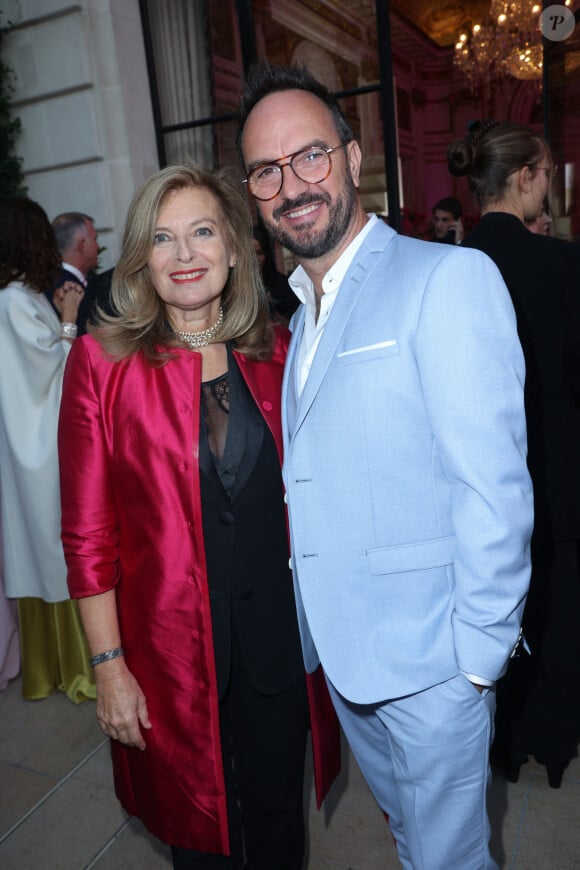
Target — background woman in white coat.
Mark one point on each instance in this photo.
(35, 345)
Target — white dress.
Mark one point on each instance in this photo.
(32, 361)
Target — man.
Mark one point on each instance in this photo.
(77, 242)
(447, 225)
(409, 498)
(542, 223)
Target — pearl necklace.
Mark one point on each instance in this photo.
(195, 340)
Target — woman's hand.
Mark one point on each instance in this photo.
(121, 705)
(67, 299)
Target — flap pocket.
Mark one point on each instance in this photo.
(412, 557)
(369, 352)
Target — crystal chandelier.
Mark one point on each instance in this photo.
(507, 43)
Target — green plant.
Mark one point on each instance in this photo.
(11, 174)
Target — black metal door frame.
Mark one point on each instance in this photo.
(249, 55)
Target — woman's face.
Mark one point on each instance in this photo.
(190, 260)
(539, 187)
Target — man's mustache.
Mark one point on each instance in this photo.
(300, 201)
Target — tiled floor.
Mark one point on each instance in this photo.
(58, 810)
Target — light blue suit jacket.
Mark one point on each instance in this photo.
(405, 470)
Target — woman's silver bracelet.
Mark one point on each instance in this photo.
(106, 656)
(68, 330)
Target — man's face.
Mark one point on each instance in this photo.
(90, 247)
(311, 220)
(441, 221)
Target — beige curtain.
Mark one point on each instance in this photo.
(182, 63)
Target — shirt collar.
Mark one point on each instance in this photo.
(76, 272)
(303, 286)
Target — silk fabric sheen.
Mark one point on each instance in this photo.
(137, 489)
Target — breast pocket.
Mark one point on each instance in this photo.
(366, 353)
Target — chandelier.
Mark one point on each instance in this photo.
(507, 43)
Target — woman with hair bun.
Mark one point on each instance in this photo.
(509, 168)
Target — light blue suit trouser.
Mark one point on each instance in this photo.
(425, 757)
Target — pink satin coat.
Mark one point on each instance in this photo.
(131, 520)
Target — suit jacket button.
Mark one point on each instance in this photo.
(227, 518)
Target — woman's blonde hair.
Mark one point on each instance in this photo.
(140, 319)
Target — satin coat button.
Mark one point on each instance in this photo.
(227, 518)
(267, 406)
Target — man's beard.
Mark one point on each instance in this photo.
(310, 245)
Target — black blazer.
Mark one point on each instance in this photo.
(63, 275)
(97, 293)
(246, 548)
(543, 277)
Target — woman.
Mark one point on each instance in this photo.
(509, 168)
(175, 533)
(54, 650)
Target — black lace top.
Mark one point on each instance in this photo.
(232, 427)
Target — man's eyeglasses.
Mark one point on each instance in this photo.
(311, 165)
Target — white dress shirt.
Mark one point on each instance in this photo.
(304, 290)
(76, 272)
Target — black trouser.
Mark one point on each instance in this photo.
(263, 745)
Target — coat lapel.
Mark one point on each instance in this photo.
(348, 294)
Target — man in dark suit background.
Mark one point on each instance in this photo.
(77, 242)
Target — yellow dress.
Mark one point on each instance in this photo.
(55, 655)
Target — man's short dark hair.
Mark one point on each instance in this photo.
(265, 78)
(450, 204)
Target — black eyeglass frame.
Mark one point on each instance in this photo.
(289, 158)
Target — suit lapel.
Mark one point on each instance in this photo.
(289, 391)
(348, 294)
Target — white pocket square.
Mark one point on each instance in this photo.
(390, 343)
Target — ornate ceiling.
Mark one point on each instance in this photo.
(440, 20)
